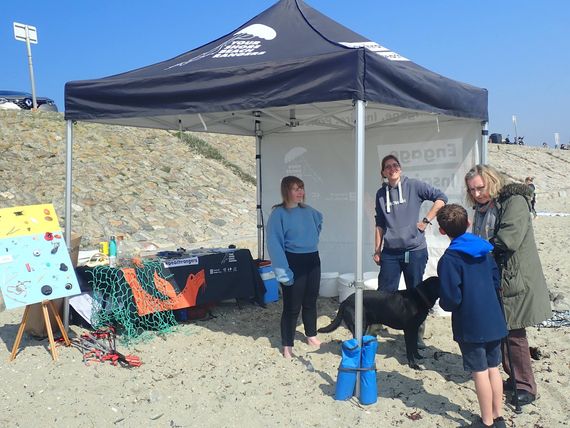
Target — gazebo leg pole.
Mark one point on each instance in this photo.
(258, 138)
(68, 192)
(360, 144)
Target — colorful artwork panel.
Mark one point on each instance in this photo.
(34, 268)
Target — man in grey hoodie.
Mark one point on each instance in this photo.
(399, 242)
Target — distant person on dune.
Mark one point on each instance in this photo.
(529, 182)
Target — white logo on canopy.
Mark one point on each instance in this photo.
(376, 48)
(246, 42)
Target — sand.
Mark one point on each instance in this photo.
(228, 372)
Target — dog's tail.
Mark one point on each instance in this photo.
(336, 322)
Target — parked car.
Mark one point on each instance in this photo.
(496, 138)
(13, 100)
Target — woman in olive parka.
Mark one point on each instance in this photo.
(503, 216)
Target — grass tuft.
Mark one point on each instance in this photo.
(210, 152)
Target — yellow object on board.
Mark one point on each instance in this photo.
(27, 220)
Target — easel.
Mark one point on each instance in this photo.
(45, 305)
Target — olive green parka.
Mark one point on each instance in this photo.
(525, 294)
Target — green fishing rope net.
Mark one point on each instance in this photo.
(114, 303)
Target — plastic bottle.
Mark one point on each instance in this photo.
(121, 261)
(112, 251)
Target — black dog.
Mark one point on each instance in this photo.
(404, 310)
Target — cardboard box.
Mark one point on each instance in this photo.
(36, 326)
(74, 250)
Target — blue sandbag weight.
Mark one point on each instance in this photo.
(368, 386)
(350, 362)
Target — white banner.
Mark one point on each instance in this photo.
(326, 163)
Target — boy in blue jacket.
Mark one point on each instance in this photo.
(469, 281)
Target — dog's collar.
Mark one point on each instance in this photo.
(423, 297)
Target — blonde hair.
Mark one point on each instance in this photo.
(493, 179)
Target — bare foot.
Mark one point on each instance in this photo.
(312, 340)
(288, 352)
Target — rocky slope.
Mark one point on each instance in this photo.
(161, 191)
(158, 190)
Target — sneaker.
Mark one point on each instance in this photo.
(524, 397)
(479, 424)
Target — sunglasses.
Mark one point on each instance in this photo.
(392, 166)
(479, 189)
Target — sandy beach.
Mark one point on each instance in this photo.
(228, 371)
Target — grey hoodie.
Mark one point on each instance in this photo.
(398, 210)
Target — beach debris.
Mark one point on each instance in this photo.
(559, 302)
(100, 346)
(536, 353)
(414, 416)
(440, 354)
(558, 319)
(153, 396)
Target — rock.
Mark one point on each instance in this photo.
(560, 303)
(7, 195)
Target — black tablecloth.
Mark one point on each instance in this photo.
(229, 275)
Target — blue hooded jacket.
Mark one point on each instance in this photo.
(469, 280)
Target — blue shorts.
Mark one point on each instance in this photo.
(478, 357)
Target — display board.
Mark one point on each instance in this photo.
(34, 261)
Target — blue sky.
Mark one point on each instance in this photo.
(518, 49)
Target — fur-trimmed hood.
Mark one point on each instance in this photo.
(515, 189)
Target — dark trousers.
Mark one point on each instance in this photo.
(392, 264)
(520, 356)
(301, 296)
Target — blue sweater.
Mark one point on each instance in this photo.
(293, 230)
(400, 224)
(469, 281)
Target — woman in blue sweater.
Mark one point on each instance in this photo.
(293, 232)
